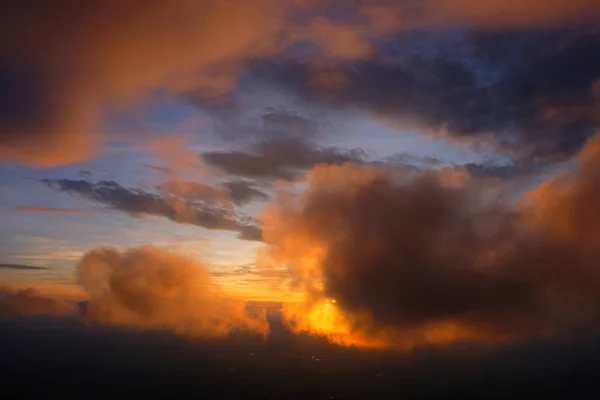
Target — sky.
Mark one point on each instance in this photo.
(397, 171)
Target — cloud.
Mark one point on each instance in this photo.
(155, 289)
(195, 191)
(382, 15)
(155, 168)
(498, 14)
(21, 266)
(29, 302)
(50, 210)
(57, 78)
(186, 203)
(399, 260)
(508, 91)
(279, 159)
(243, 192)
(272, 124)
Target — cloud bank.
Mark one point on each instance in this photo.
(145, 288)
(152, 288)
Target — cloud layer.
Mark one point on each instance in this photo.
(58, 80)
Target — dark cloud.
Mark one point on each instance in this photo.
(411, 163)
(29, 302)
(507, 171)
(195, 191)
(21, 266)
(182, 205)
(238, 192)
(430, 257)
(412, 159)
(251, 231)
(243, 192)
(280, 159)
(528, 94)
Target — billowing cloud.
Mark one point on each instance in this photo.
(283, 159)
(29, 302)
(155, 289)
(50, 210)
(387, 259)
(182, 202)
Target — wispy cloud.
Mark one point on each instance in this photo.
(21, 267)
(195, 205)
(51, 210)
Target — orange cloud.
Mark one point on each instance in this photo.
(389, 260)
(155, 289)
(60, 76)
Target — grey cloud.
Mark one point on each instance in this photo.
(21, 267)
(529, 94)
(195, 211)
(280, 159)
(243, 192)
(271, 125)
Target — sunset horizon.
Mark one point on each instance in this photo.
(300, 198)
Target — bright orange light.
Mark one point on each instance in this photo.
(325, 319)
